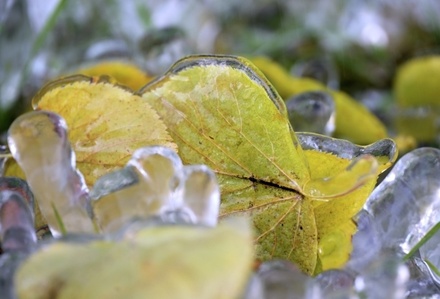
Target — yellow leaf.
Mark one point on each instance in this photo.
(334, 217)
(417, 94)
(106, 122)
(416, 82)
(157, 262)
(353, 120)
(222, 112)
(123, 72)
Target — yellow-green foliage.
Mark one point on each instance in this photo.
(353, 120)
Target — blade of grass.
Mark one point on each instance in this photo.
(432, 267)
(425, 239)
(41, 37)
(59, 220)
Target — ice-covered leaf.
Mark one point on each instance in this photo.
(106, 122)
(222, 112)
(344, 166)
(353, 121)
(154, 262)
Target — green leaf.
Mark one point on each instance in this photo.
(416, 93)
(106, 124)
(180, 262)
(349, 112)
(222, 112)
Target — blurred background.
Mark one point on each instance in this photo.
(352, 45)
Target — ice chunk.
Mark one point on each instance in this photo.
(155, 183)
(254, 288)
(17, 231)
(282, 279)
(201, 194)
(430, 253)
(312, 111)
(140, 189)
(386, 277)
(367, 243)
(4, 153)
(9, 262)
(406, 205)
(333, 284)
(38, 142)
(423, 282)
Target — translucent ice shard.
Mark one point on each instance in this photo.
(4, 152)
(406, 205)
(423, 282)
(366, 163)
(384, 150)
(201, 194)
(155, 183)
(430, 255)
(353, 176)
(312, 111)
(17, 231)
(38, 142)
(366, 242)
(141, 188)
(332, 284)
(5, 8)
(282, 279)
(385, 277)
(254, 288)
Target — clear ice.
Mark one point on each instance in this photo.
(406, 205)
(312, 111)
(155, 183)
(367, 243)
(397, 215)
(423, 283)
(38, 142)
(366, 162)
(385, 277)
(17, 233)
(17, 230)
(4, 152)
(333, 284)
(282, 279)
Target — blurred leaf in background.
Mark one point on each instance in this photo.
(365, 41)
